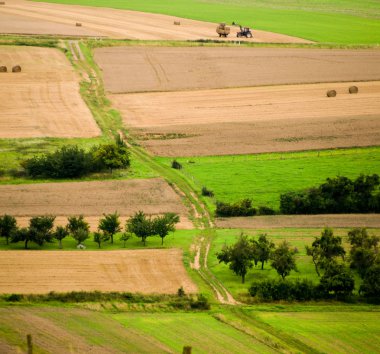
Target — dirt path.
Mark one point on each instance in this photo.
(19, 16)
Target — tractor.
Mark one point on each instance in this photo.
(244, 32)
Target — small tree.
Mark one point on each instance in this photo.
(140, 225)
(22, 235)
(112, 156)
(364, 250)
(239, 256)
(337, 279)
(125, 236)
(8, 225)
(41, 229)
(325, 249)
(262, 249)
(59, 234)
(371, 283)
(100, 237)
(110, 224)
(80, 235)
(76, 223)
(162, 225)
(283, 259)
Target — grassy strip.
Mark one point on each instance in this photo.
(335, 21)
(263, 177)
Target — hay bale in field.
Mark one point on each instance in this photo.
(353, 89)
(16, 69)
(78, 24)
(3, 69)
(177, 23)
(331, 93)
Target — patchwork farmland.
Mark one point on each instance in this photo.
(166, 120)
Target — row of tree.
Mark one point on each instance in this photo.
(72, 161)
(41, 228)
(332, 265)
(336, 195)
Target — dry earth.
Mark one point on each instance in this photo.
(142, 271)
(43, 100)
(91, 199)
(143, 69)
(253, 120)
(26, 17)
(300, 221)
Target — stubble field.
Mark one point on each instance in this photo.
(42, 100)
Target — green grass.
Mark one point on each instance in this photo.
(296, 237)
(264, 177)
(329, 332)
(333, 21)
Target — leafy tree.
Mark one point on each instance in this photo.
(110, 224)
(364, 250)
(162, 225)
(283, 259)
(112, 156)
(239, 256)
(325, 249)
(125, 236)
(76, 223)
(41, 229)
(262, 249)
(22, 235)
(371, 282)
(337, 279)
(59, 234)
(140, 225)
(80, 235)
(100, 237)
(8, 225)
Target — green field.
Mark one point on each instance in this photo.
(264, 177)
(327, 21)
(298, 238)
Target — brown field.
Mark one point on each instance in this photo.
(91, 199)
(253, 120)
(43, 100)
(141, 271)
(300, 221)
(143, 69)
(19, 16)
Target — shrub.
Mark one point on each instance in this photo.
(201, 303)
(207, 192)
(264, 210)
(242, 208)
(14, 298)
(176, 165)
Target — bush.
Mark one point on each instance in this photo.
(371, 283)
(176, 165)
(201, 303)
(263, 210)
(338, 280)
(207, 192)
(14, 298)
(275, 290)
(242, 208)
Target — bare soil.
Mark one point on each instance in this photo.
(300, 221)
(141, 271)
(253, 120)
(145, 69)
(91, 199)
(19, 16)
(42, 100)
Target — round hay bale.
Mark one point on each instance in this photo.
(16, 69)
(177, 23)
(331, 93)
(3, 69)
(353, 89)
(78, 24)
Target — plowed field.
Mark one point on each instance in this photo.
(143, 271)
(253, 120)
(19, 16)
(43, 100)
(143, 69)
(91, 199)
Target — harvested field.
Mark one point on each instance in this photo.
(43, 100)
(142, 69)
(300, 221)
(143, 271)
(21, 16)
(91, 199)
(253, 120)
